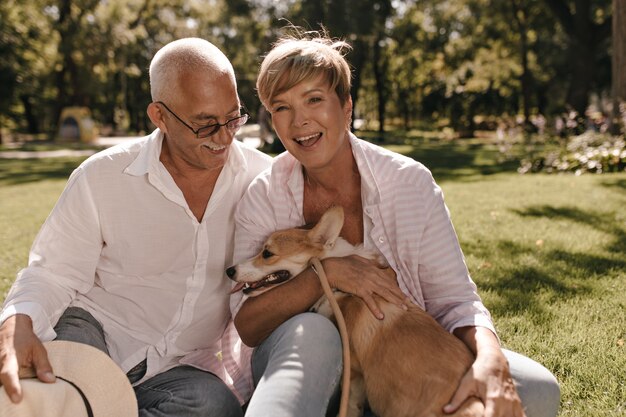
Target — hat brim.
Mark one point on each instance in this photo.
(43, 399)
(101, 381)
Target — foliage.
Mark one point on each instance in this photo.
(27, 49)
(448, 60)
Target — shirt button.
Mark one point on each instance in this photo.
(381, 239)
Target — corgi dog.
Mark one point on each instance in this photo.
(405, 365)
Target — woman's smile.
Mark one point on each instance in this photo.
(309, 140)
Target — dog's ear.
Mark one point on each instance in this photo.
(327, 230)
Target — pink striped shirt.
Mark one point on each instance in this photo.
(405, 219)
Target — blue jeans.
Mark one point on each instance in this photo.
(536, 386)
(181, 391)
(297, 369)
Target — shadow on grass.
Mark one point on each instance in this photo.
(532, 271)
(22, 171)
(605, 222)
(458, 159)
(618, 183)
(528, 273)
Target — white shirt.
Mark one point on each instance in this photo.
(405, 219)
(123, 244)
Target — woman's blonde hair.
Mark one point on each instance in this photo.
(301, 56)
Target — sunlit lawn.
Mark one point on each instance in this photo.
(548, 253)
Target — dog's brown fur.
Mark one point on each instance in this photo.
(410, 365)
(406, 365)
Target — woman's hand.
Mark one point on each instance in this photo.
(489, 379)
(365, 278)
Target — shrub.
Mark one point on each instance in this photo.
(589, 152)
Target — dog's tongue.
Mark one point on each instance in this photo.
(238, 287)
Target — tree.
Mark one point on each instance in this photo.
(520, 17)
(364, 27)
(587, 24)
(619, 64)
(25, 65)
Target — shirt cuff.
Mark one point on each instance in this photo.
(477, 321)
(41, 324)
(236, 302)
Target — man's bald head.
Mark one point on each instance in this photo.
(174, 60)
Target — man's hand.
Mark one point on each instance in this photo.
(20, 348)
(364, 278)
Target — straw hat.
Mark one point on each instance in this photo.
(88, 384)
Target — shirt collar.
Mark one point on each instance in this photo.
(370, 191)
(148, 155)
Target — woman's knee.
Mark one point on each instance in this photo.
(537, 386)
(308, 338)
(315, 330)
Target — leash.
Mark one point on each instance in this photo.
(343, 332)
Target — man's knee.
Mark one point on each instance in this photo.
(214, 399)
(78, 325)
(189, 392)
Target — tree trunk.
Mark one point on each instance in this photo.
(31, 120)
(618, 65)
(520, 17)
(585, 36)
(357, 59)
(379, 65)
(582, 59)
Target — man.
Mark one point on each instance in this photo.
(131, 260)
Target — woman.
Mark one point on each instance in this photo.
(392, 205)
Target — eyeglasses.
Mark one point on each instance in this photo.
(209, 130)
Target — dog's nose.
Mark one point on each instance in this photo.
(231, 271)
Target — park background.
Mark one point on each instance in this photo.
(517, 106)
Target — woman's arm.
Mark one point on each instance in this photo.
(259, 316)
(489, 378)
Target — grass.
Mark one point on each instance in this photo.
(28, 190)
(548, 256)
(548, 253)
(47, 145)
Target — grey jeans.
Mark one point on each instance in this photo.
(181, 391)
